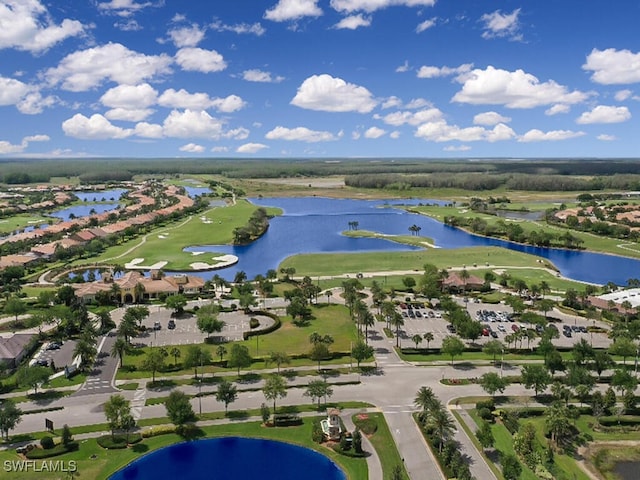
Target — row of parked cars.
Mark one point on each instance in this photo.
(491, 316)
(569, 330)
(414, 311)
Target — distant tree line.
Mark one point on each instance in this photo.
(608, 173)
(475, 181)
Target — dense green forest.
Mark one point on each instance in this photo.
(483, 174)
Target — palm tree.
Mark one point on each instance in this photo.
(369, 321)
(221, 351)
(397, 321)
(138, 292)
(428, 337)
(119, 348)
(329, 294)
(442, 424)
(425, 400)
(175, 353)
(417, 339)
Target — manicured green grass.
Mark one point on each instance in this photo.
(184, 233)
(494, 468)
(294, 340)
(340, 263)
(418, 241)
(21, 221)
(93, 462)
(591, 241)
(385, 447)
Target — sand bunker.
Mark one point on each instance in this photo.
(136, 264)
(222, 261)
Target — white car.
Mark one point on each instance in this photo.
(501, 328)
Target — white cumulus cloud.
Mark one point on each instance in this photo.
(85, 69)
(412, 118)
(125, 8)
(96, 127)
(239, 28)
(457, 148)
(302, 134)
(192, 148)
(353, 21)
(498, 24)
(7, 148)
(182, 99)
(557, 109)
(200, 60)
(613, 67)
(286, 10)
(536, 135)
(130, 96)
(188, 36)
(26, 25)
(374, 132)
(426, 25)
(606, 138)
(441, 131)
(622, 95)
(332, 94)
(257, 75)
(494, 86)
(605, 114)
(490, 119)
(128, 114)
(192, 124)
(251, 148)
(373, 5)
(427, 71)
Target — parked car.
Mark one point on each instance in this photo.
(515, 327)
(54, 346)
(171, 325)
(494, 334)
(502, 328)
(583, 329)
(156, 325)
(451, 328)
(42, 362)
(567, 333)
(418, 314)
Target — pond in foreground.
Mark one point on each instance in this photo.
(232, 458)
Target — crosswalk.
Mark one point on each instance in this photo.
(96, 385)
(139, 399)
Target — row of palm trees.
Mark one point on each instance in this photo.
(434, 416)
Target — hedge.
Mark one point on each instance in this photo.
(272, 328)
(38, 453)
(118, 441)
(626, 420)
(160, 430)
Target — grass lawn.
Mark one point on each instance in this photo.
(330, 319)
(386, 448)
(591, 241)
(339, 263)
(418, 241)
(166, 243)
(93, 462)
(17, 222)
(566, 468)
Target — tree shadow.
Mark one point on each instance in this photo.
(249, 378)
(237, 415)
(140, 448)
(371, 371)
(464, 366)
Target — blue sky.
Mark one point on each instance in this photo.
(319, 78)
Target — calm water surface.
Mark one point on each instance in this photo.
(232, 458)
(314, 225)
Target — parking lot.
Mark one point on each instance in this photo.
(60, 356)
(499, 323)
(186, 331)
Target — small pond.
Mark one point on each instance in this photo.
(232, 458)
(100, 195)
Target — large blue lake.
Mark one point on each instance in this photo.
(232, 458)
(314, 225)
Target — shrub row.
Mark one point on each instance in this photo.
(626, 420)
(118, 441)
(38, 453)
(272, 328)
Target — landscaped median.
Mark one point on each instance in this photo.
(91, 461)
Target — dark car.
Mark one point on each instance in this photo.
(567, 333)
(42, 363)
(494, 334)
(583, 329)
(54, 346)
(451, 328)
(171, 325)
